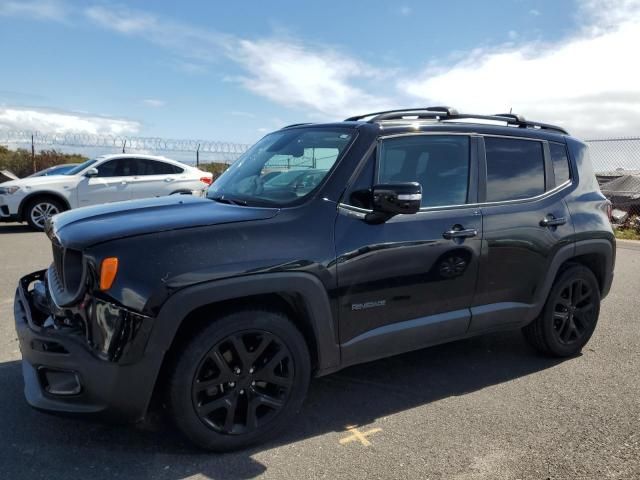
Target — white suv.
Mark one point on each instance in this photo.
(109, 178)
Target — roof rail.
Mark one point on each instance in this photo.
(296, 125)
(449, 113)
(510, 119)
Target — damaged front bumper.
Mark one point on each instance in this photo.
(89, 359)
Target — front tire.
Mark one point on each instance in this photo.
(239, 380)
(569, 316)
(40, 209)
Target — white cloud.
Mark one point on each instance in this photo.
(60, 121)
(284, 71)
(35, 9)
(588, 83)
(154, 102)
(405, 10)
(184, 40)
(603, 15)
(311, 78)
(122, 20)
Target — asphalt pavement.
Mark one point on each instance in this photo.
(484, 408)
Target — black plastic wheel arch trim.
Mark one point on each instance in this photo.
(309, 287)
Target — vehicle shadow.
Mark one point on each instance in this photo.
(71, 448)
(15, 228)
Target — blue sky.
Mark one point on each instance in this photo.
(235, 70)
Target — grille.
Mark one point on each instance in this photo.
(58, 262)
(66, 275)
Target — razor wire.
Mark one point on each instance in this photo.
(609, 155)
(121, 142)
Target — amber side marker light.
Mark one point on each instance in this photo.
(108, 271)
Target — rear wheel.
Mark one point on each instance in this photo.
(570, 315)
(40, 209)
(239, 380)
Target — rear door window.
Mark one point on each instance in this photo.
(154, 167)
(515, 168)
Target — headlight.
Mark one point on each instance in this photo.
(8, 190)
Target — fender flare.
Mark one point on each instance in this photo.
(44, 193)
(598, 246)
(311, 290)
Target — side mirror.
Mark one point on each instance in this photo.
(393, 199)
(92, 172)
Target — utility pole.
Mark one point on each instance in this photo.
(198, 156)
(124, 144)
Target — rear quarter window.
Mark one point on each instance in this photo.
(515, 168)
(560, 162)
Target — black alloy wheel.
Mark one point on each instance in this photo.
(238, 380)
(573, 313)
(569, 316)
(242, 382)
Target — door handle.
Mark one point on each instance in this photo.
(552, 221)
(123, 182)
(460, 233)
(169, 179)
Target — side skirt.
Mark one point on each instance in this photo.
(402, 337)
(405, 336)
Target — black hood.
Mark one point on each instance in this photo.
(83, 227)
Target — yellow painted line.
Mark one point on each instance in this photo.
(357, 435)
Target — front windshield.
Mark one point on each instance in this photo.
(281, 168)
(77, 169)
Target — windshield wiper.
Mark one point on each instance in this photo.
(229, 201)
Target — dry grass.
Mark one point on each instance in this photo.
(627, 234)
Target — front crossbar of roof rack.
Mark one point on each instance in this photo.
(515, 116)
(449, 113)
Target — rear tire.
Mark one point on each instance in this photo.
(569, 316)
(239, 380)
(39, 209)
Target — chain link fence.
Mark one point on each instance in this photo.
(617, 165)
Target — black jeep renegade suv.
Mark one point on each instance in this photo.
(323, 246)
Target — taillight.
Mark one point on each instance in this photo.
(206, 180)
(108, 271)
